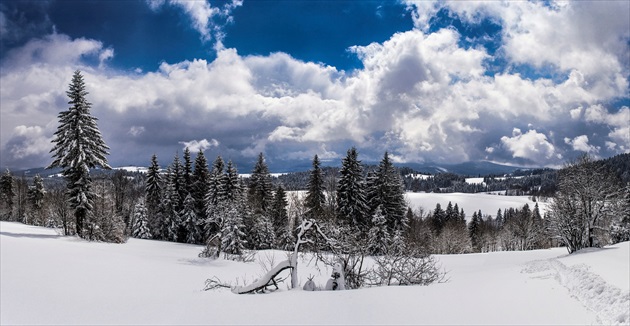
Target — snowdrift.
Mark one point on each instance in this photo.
(50, 279)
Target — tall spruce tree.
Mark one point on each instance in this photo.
(279, 215)
(260, 191)
(153, 194)
(387, 190)
(201, 179)
(140, 226)
(7, 193)
(351, 200)
(78, 148)
(187, 173)
(232, 189)
(315, 198)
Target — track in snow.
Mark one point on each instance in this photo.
(610, 304)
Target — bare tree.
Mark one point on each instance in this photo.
(584, 205)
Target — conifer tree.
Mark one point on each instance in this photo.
(351, 200)
(176, 180)
(215, 184)
(315, 198)
(7, 193)
(232, 188)
(260, 191)
(279, 215)
(386, 190)
(78, 148)
(378, 236)
(474, 231)
(187, 173)
(232, 231)
(201, 179)
(188, 217)
(141, 228)
(153, 193)
(35, 197)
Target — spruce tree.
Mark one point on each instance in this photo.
(260, 192)
(140, 228)
(385, 189)
(201, 179)
(378, 238)
(187, 173)
(153, 194)
(232, 188)
(35, 197)
(279, 215)
(315, 198)
(188, 217)
(232, 231)
(78, 148)
(7, 193)
(351, 201)
(216, 183)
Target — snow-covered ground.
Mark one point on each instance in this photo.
(50, 279)
(488, 203)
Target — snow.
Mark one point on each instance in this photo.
(489, 204)
(474, 181)
(50, 279)
(141, 169)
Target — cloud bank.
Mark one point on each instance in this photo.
(423, 94)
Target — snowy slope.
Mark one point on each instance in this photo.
(49, 279)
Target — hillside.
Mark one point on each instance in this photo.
(51, 279)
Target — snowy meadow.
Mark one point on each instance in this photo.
(51, 279)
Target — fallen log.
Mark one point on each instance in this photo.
(264, 282)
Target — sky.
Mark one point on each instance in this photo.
(522, 83)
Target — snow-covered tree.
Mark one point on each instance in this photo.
(141, 228)
(201, 178)
(187, 173)
(279, 215)
(379, 238)
(188, 217)
(216, 183)
(385, 189)
(78, 147)
(7, 194)
(153, 193)
(315, 198)
(35, 196)
(232, 188)
(351, 201)
(233, 236)
(260, 190)
(585, 204)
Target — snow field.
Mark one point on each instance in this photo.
(487, 203)
(50, 279)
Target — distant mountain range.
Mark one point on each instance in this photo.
(480, 168)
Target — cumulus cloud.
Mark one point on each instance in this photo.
(207, 19)
(531, 145)
(200, 145)
(580, 143)
(27, 143)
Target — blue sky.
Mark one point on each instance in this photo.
(524, 83)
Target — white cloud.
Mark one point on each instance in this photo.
(29, 141)
(105, 55)
(136, 130)
(531, 145)
(580, 143)
(420, 96)
(200, 145)
(203, 15)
